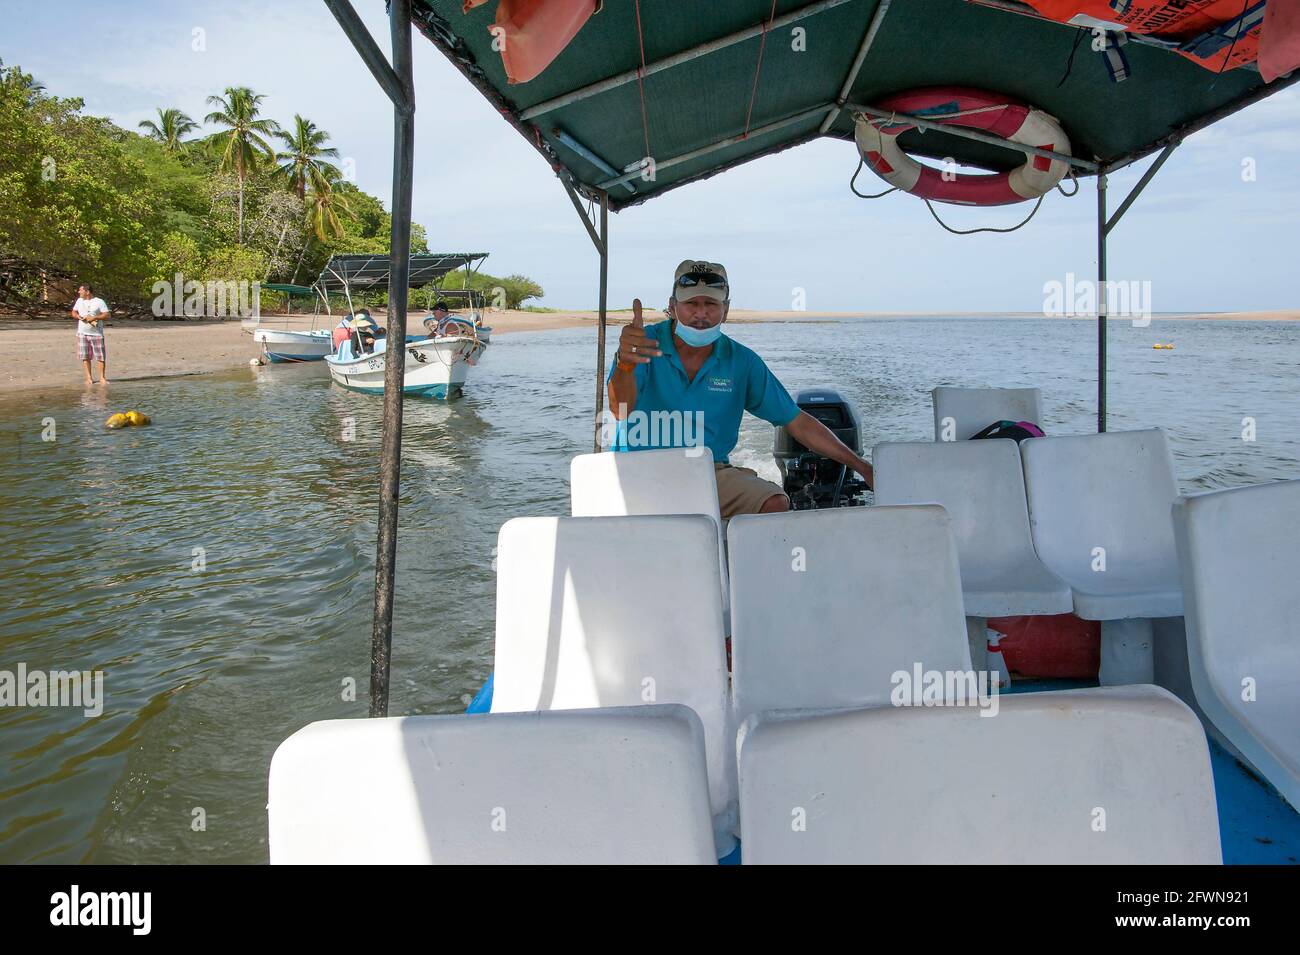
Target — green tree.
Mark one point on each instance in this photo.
(244, 138)
(305, 159)
(324, 204)
(509, 292)
(172, 124)
(72, 202)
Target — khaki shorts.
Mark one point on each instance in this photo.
(741, 490)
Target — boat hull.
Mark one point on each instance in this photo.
(435, 368)
(288, 346)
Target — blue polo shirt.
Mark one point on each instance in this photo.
(672, 412)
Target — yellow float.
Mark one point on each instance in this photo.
(127, 419)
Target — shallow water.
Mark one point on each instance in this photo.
(210, 665)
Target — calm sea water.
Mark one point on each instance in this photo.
(208, 670)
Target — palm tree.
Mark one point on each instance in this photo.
(28, 86)
(323, 207)
(245, 143)
(304, 159)
(171, 126)
(324, 204)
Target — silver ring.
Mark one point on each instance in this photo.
(633, 349)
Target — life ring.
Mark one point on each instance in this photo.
(1002, 116)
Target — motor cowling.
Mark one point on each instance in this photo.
(813, 480)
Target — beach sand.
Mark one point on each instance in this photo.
(40, 355)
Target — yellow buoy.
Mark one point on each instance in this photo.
(117, 421)
(136, 418)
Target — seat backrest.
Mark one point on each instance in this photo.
(1111, 491)
(1238, 551)
(1106, 775)
(827, 606)
(979, 483)
(660, 481)
(622, 785)
(974, 409)
(613, 611)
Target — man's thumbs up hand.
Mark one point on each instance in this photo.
(635, 347)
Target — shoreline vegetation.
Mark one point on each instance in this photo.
(41, 352)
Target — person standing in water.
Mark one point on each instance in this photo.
(90, 313)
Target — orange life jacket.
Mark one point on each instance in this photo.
(1180, 20)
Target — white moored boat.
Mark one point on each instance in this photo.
(435, 367)
(283, 345)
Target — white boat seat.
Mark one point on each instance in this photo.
(1239, 551)
(1111, 775)
(1110, 491)
(974, 409)
(614, 611)
(981, 485)
(594, 786)
(661, 481)
(878, 592)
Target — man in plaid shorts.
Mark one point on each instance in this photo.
(90, 313)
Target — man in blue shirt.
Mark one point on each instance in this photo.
(681, 382)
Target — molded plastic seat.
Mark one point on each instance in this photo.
(974, 409)
(1111, 491)
(593, 786)
(662, 481)
(1106, 775)
(981, 485)
(878, 593)
(1239, 551)
(614, 611)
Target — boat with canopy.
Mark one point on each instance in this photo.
(437, 360)
(605, 736)
(278, 342)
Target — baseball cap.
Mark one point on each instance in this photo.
(697, 277)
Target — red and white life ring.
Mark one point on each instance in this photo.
(877, 141)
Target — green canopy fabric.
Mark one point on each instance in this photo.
(289, 289)
(720, 94)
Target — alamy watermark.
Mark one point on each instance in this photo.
(921, 687)
(75, 688)
(653, 429)
(1079, 298)
(211, 299)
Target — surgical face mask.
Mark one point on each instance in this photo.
(698, 337)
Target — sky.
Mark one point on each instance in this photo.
(1203, 236)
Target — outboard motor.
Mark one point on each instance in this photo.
(811, 479)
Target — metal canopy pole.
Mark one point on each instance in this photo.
(1141, 184)
(876, 19)
(1104, 226)
(601, 241)
(602, 318)
(1101, 302)
(398, 82)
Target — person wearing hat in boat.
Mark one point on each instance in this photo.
(342, 332)
(443, 321)
(686, 364)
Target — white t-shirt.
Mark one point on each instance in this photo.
(89, 306)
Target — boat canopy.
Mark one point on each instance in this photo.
(700, 86)
(351, 273)
(287, 289)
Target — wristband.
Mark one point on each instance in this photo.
(622, 365)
